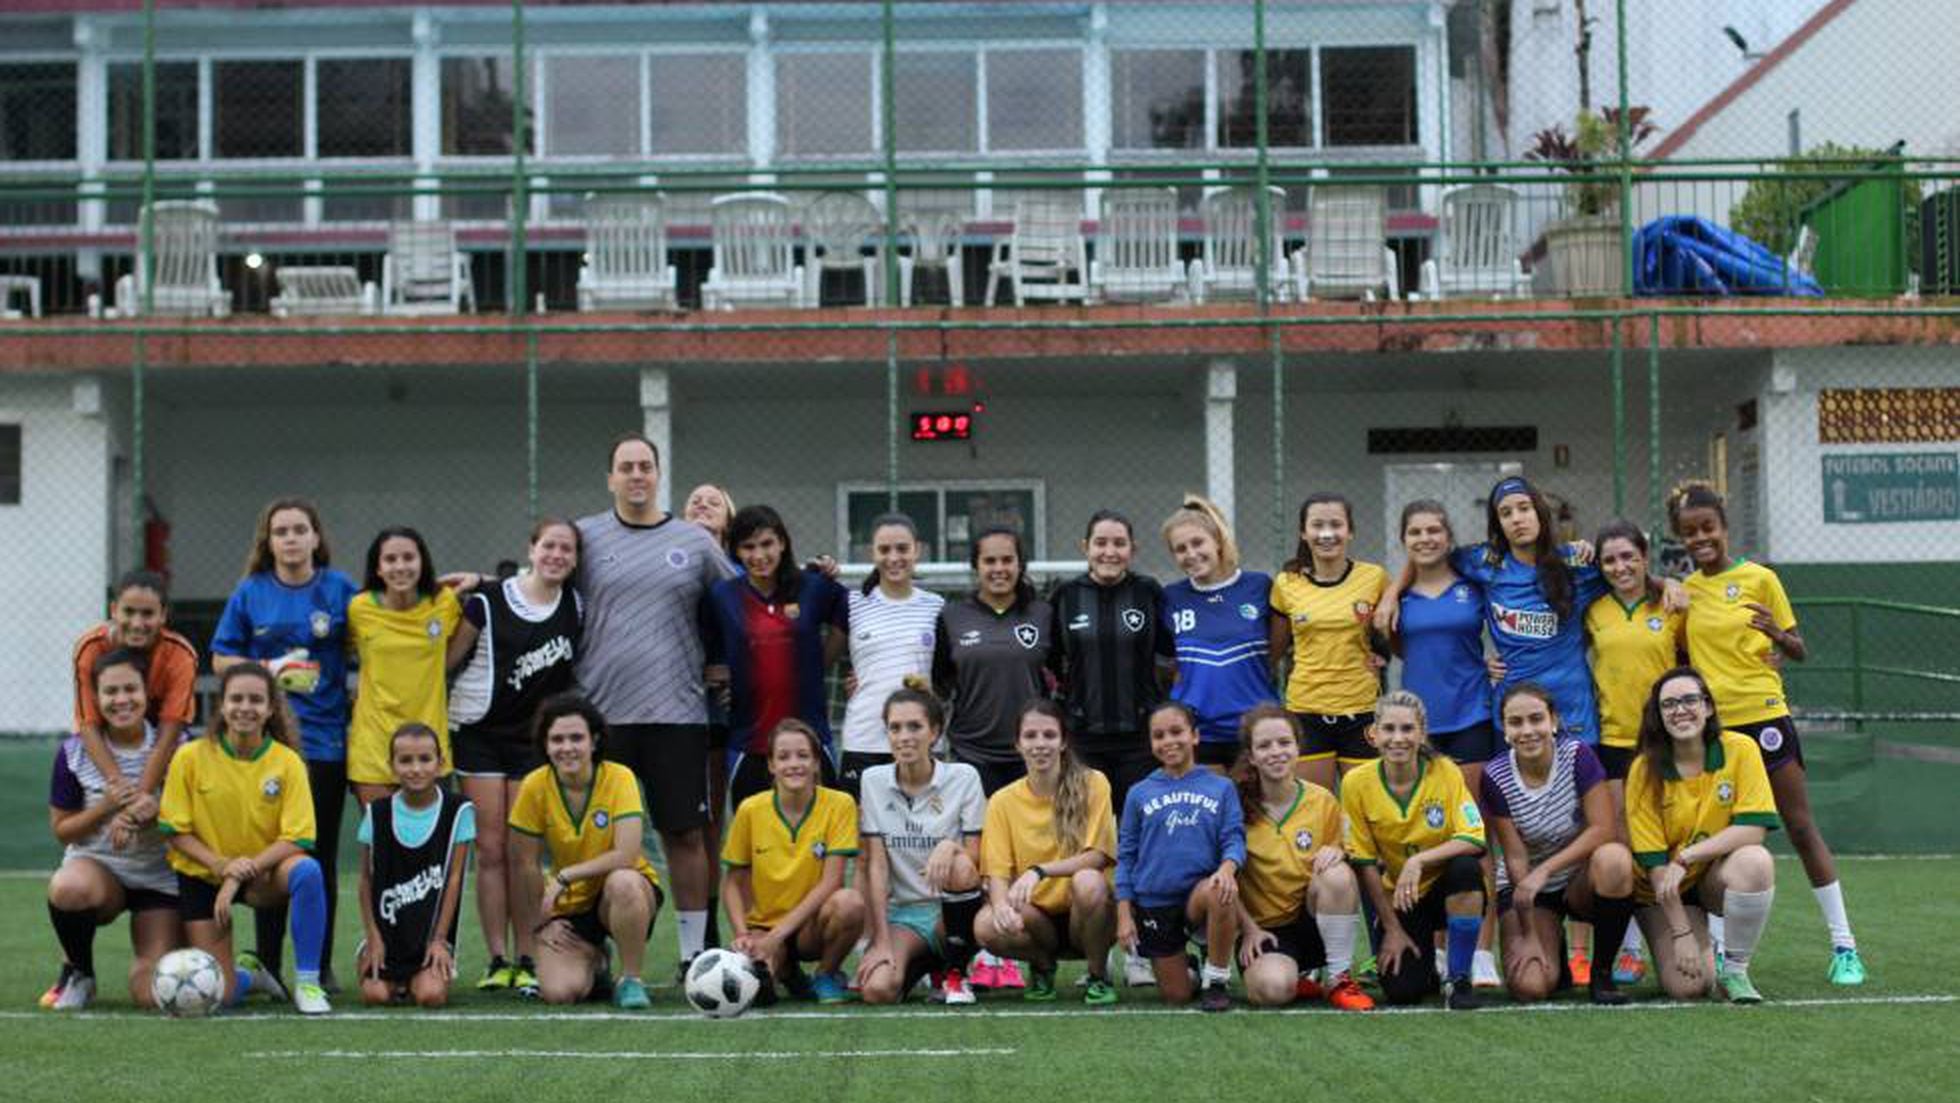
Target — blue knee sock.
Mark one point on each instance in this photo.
(241, 985)
(309, 909)
(1463, 943)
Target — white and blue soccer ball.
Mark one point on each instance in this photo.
(188, 984)
(721, 984)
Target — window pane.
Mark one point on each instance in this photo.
(1288, 106)
(10, 465)
(37, 112)
(370, 204)
(176, 111)
(1369, 95)
(823, 104)
(477, 97)
(593, 105)
(1158, 99)
(363, 107)
(934, 97)
(700, 104)
(1034, 99)
(256, 108)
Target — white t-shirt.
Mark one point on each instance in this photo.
(953, 806)
(889, 640)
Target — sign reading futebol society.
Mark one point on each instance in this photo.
(1891, 487)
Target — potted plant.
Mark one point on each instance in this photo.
(1584, 247)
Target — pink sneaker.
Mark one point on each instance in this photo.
(982, 975)
(1008, 975)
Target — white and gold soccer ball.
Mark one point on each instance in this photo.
(188, 984)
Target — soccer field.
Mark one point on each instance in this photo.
(1894, 1039)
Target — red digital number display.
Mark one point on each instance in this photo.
(942, 425)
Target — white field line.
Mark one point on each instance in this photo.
(628, 1055)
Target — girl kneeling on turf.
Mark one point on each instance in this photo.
(1555, 818)
(239, 814)
(1178, 856)
(1048, 843)
(1414, 835)
(785, 853)
(414, 848)
(1699, 805)
(586, 813)
(1298, 901)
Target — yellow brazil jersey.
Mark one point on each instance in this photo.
(235, 805)
(1279, 855)
(785, 860)
(542, 811)
(1385, 829)
(402, 677)
(1731, 655)
(1020, 833)
(1667, 813)
(1329, 621)
(1631, 648)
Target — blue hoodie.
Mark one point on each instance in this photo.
(1175, 832)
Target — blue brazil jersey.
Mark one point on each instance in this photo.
(1536, 644)
(1223, 664)
(265, 619)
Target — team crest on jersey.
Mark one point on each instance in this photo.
(1732, 592)
(792, 611)
(819, 849)
(1654, 624)
(1133, 619)
(1363, 610)
(936, 805)
(600, 819)
(1432, 814)
(1300, 617)
(433, 628)
(1249, 611)
(1303, 839)
(1028, 634)
(321, 622)
(1725, 793)
(676, 558)
(1461, 593)
(270, 788)
(925, 639)
(1771, 739)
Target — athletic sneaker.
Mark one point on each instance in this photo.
(1604, 993)
(1307, 987)
(1348, 996)
(1736, 984)
(680, 973)
(1215, 997)
(1579, 964)
(983, 975)
(830, 988)
(1366, 970)
(524, 978)
(54, 990)
(266, 981)
(1460, 995)
(1630, 967)
(1008, 975)
(630, 994)
(500, 974)
(1039, 988)
(310, 998)
(1847, 968)
(71, 992)
(1483, 970)
(952, 990)
(1099, 993)
(1137, 972)
(797, 984)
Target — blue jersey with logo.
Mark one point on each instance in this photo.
(1223, 665)
(266, 619)
(1536, 644)
(1443, 655)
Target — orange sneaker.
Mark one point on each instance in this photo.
(1308, 988)
(1348, 996)
(1579, 963)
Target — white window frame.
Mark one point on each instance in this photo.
(1037, 525)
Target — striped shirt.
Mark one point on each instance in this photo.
(889, 640)
(642, 656)
(77, 784)
(1550, 816)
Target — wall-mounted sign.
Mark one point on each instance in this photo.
(1891, 487)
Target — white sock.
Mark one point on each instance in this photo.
(693, 931)
(1217, 974)
(1337, 936)
(1744, 916)
(1830, 898)
(1715, 938)
(1631, 943)
(987, 957)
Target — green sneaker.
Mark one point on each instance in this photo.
(1736, 985)
(264, 980)
(1099, 993)
(1041, 987)
(1847, 968)
(630, 994)
(498, 975)
(1364, 970)
(524, 978)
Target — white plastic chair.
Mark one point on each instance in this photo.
(625, 264)
(184, 243)
(1476, 246)
(321, 289)
(1228, 265)
(1136, 249)
(754, 253)
(1347, 244)
(935, 235)
(424, 272)
(1803, 254)
(1042, 258)
(837, 227)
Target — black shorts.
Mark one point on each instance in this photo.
(588, 927)
(150, 900)
(1162, 931)
(1415, 976)
(1618, 761)
(1551, 900)
(493, 752)
(1476, 743)
(1216, 753)
(671, 761)
(1124, 760)
(1777, 737)
(850, 776)
(399, 964)
(197, 899)
(1300, 940)
(1342, 737)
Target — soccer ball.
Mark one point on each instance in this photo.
(721, 984)
(187, 984)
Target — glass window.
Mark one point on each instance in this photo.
(478, 94)
(10, 465)
(37, 112)
(370, 203)
(1369, 95)
(362, 107)
(935, 97)
(256, 108)
(1157, 98)
(176, 111)
(823, 104)
(592, 105)
(700, 103)
(1034, 99)
(1289, 107)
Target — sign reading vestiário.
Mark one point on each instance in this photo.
(1891, 487)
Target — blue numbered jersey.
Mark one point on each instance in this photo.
(265, 619)
(1536, 644)
(1223, 665)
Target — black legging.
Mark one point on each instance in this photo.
(329, 783)
(1415, 975)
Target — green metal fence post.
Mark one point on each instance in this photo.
(520, 197)
(1262, 276)
(1654, 491)
(1857, 666)
(892, 420)
(146, 290)
(1625, 154)
(1619, 419)
(889, 139)
(531, 422)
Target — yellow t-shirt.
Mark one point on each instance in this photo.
(1631, 649)
(401, 653)
(1331, 674)
(1020, 832)
(1385, 829)
(541, 812)
(1279, 856)
(1732, 656)
(1732, 788)
(785, 860)
(236, 806)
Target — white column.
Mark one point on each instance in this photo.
(761, 91)
(425, 113)
(1221, 391)
(657, 421)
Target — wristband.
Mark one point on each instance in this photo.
(1040, 874)
(559, 877)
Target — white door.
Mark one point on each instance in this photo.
(1461, 487)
